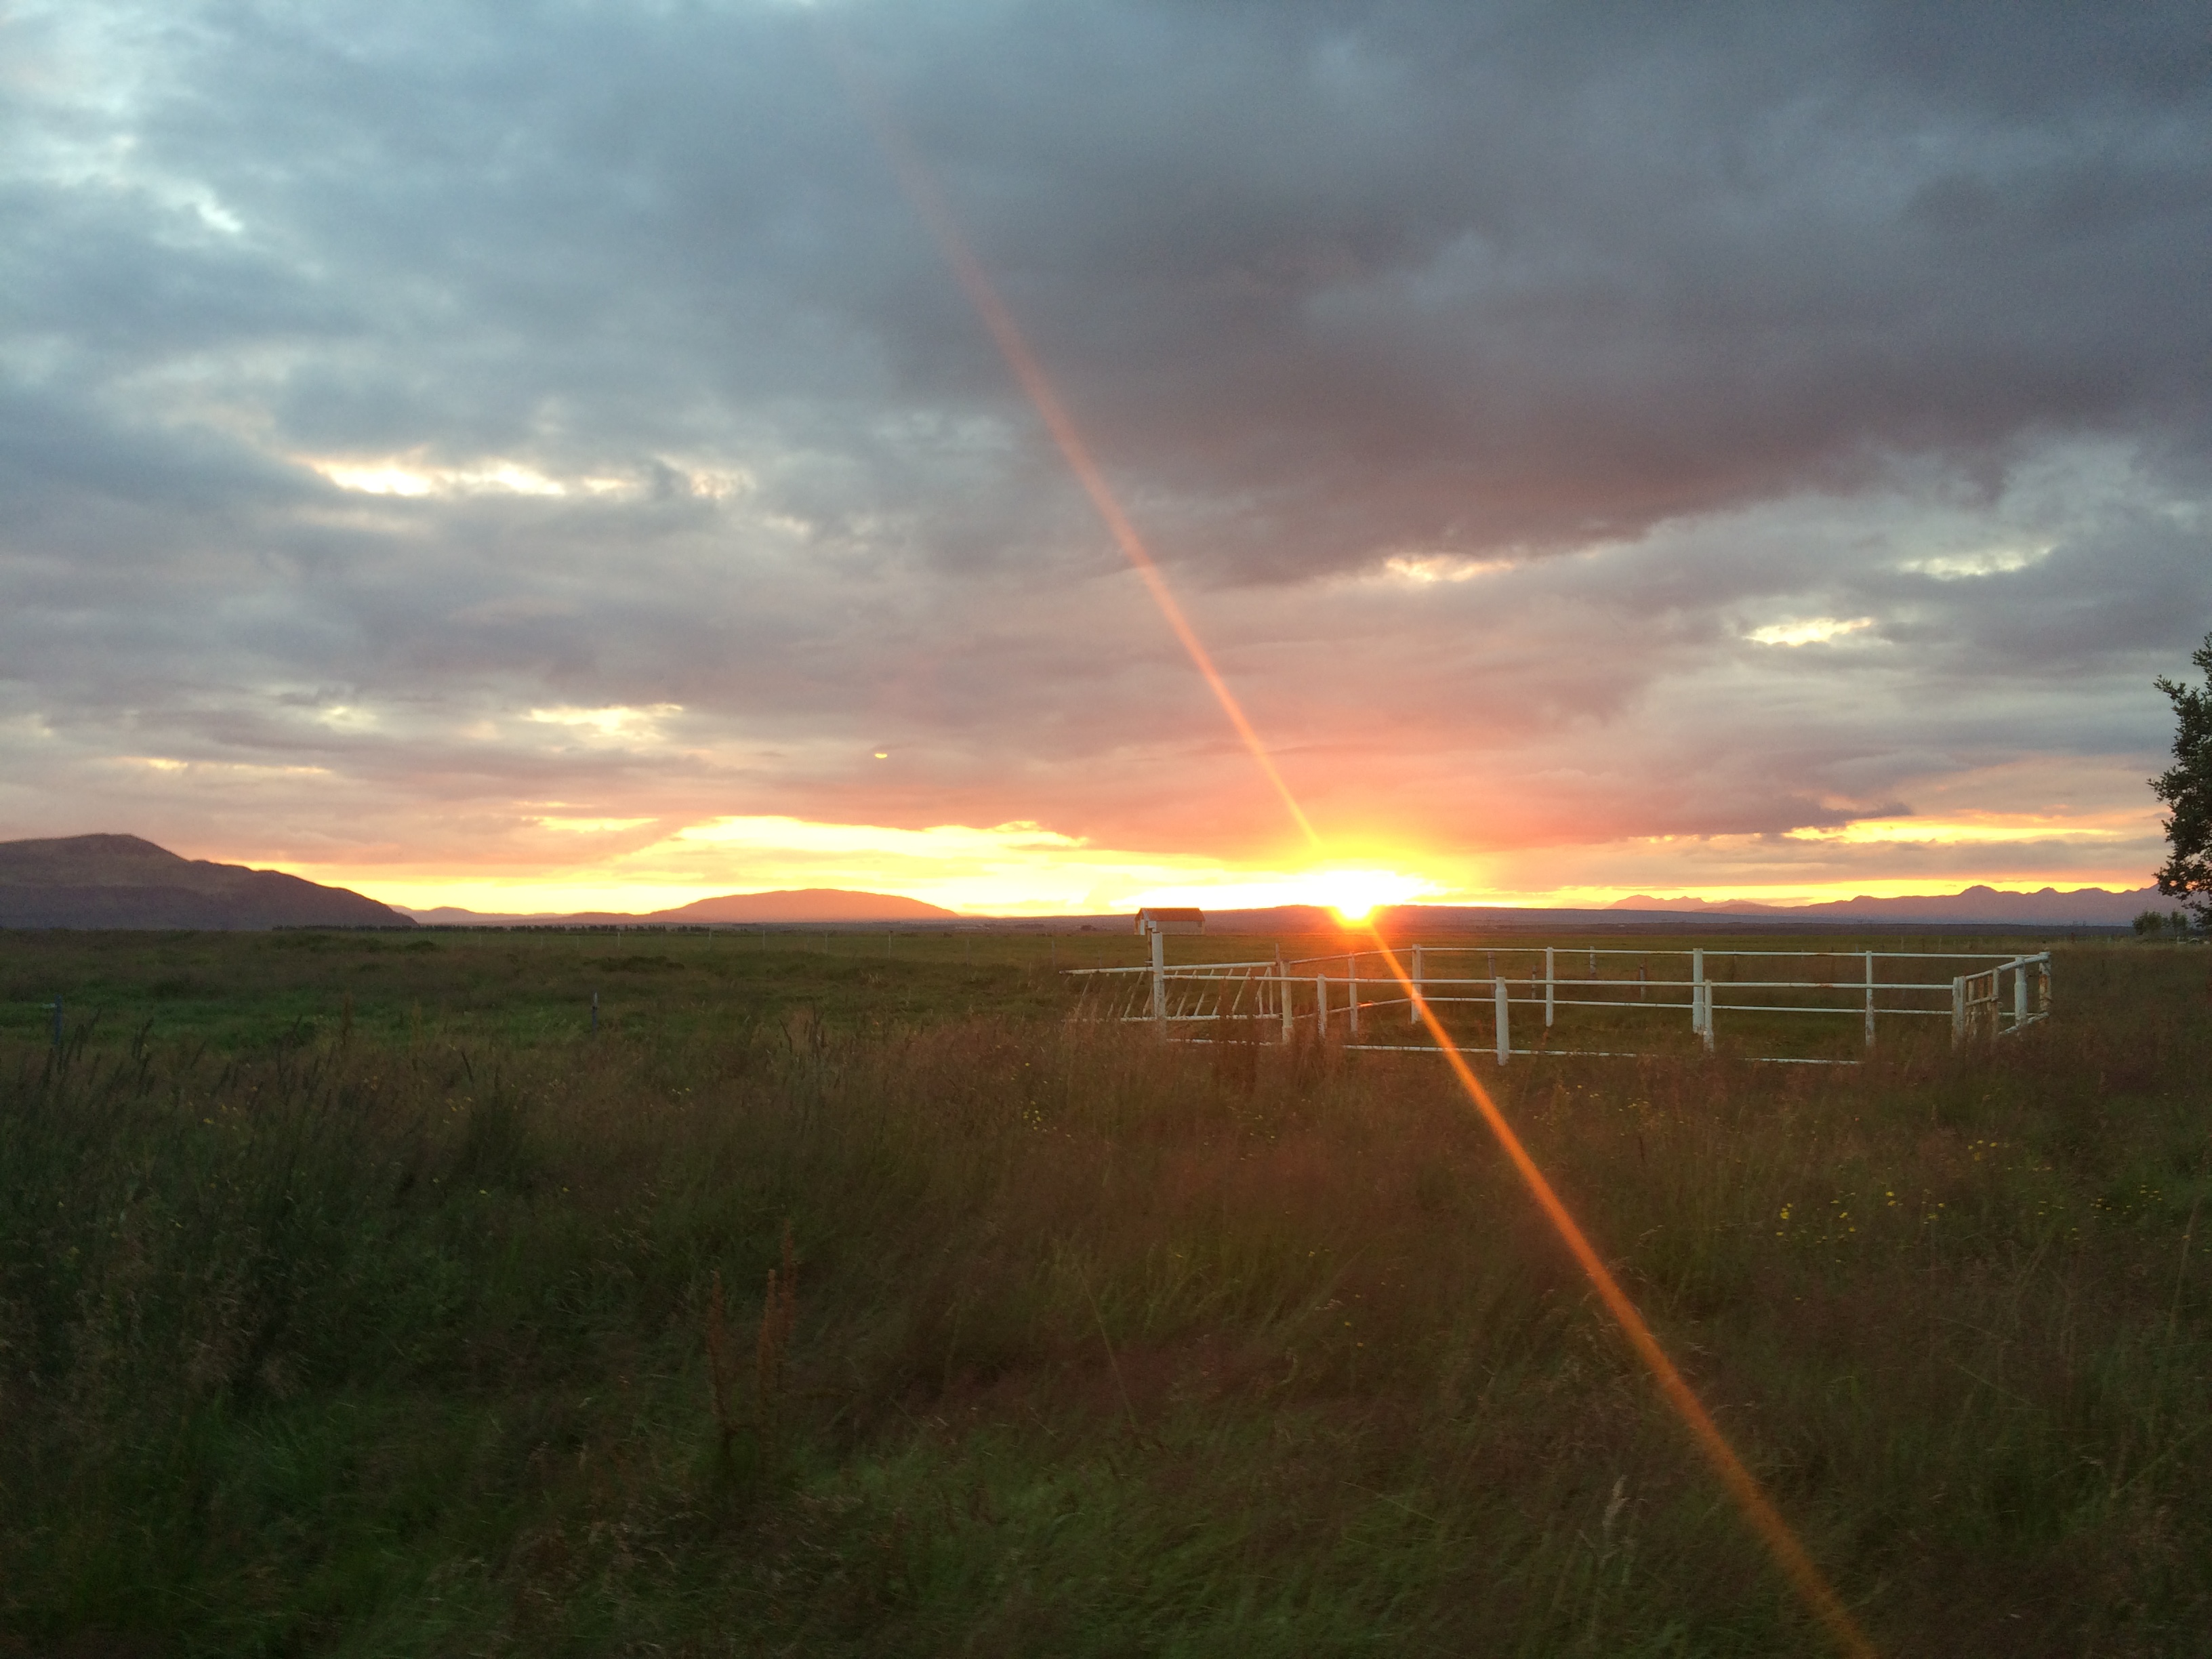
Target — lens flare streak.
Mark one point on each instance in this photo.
(1741, 1484)
(929, 203)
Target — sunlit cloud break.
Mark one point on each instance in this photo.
(1985, 562)
(413, 479)
(614, 721)
(1818, 631)
(1981, 831)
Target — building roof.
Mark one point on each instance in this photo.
(1170, 919)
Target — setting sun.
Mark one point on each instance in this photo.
(1354, 894)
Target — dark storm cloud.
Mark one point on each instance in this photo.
(1322, 279)
(1450, 275)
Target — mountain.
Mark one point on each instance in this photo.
(804, 904)
(1697, 906)
(121, 881)
(2086, 906)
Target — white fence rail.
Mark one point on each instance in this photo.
(1355, 995)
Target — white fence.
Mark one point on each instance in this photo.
(1357, 996)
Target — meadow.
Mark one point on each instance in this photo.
(839, 1296)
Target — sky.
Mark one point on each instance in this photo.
(538, 457)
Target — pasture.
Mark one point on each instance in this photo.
(356, 1297)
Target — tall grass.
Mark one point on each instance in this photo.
(1075, 1343)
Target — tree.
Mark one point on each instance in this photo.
(2187, 786)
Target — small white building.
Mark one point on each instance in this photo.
(1170, 919)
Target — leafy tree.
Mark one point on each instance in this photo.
(2187, 786)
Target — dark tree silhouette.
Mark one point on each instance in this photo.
(2187, 786)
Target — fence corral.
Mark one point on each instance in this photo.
(1357, 997)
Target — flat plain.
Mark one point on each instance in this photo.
(357, 1296)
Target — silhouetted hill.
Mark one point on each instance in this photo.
(803, 904)
(807, 904)
(122, 881)
(2086, 907)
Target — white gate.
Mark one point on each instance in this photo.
(1357, 996)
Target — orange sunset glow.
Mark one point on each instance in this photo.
(556, 862)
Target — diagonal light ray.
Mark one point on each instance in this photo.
(928, 200)
(1741, 1484)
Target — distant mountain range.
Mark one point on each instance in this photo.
(2088, 907)
(803, 904)
(121, 881)
(2085, 906)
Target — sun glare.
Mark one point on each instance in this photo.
(1354, 894)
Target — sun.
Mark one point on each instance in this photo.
(1354, 894)
(1354, 907)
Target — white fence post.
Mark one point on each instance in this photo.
(1159, 978)
(1979, 1003)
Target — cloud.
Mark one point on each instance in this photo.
(410, 417)
(1819, 631)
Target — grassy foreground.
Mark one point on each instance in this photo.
(423, 1335)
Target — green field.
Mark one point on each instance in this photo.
(244, 992)
(240, 993)
(355, 1297)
